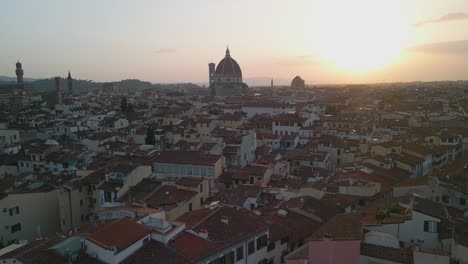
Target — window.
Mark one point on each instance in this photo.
(81, 202)
(300, 243)
(431, 226)
(201, 187)
(81, 189)
(251, 247)
(190, 207)
(146, 240)
(284, 240)
(271, 246)
(261, 242)
(445, 199)
(239, 253)
(17, 209)
(15, 228)
(201, 200)
(107, 197)
(230, 257)
(462, 201)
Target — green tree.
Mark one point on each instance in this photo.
(123, 105)
(130, 108)
(150, 140)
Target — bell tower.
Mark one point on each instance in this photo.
(70, 83)
(19, 73)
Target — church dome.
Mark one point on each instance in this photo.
(228, 66)
(297, 82)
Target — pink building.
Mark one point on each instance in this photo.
(336, 242)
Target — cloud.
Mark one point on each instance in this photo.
(164, 51)
(448, 47)
(446, 18)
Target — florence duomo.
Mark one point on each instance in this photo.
(226, 78)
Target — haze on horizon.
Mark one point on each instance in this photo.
(173, 41)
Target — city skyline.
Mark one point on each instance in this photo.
(161, 42)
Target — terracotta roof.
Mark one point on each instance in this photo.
(155, 252)
(413, 182)
(168, 196)
(237, 196)
(346, 226)
(430, 207)
(187, 157)
(320, 208)
(386, 253)
(292, 225)
(120, 233)
(189, 181)
(289, 118)
(193, 218)
(37, 252)
(141, 190)
(220, 235)
(192, 247)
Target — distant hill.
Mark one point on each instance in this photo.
(8, 79)
(48, 85)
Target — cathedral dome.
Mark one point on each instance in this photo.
(298, 82)
(228, 66)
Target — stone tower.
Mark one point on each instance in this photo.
(58, 90)
(19, 73)
(70, 83)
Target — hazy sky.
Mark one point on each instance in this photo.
(329, 41)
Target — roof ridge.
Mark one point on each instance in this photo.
(206, 217)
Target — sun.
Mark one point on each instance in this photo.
(362, 35)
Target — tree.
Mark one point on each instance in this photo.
(150, 140)
(130, 108)
(123, 105)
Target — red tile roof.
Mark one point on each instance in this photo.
(120, 233)
(155, 252)
(194, 248)
(168, 197)
(346, 226)
(241, 224)
(187, 157)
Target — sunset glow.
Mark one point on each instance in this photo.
(363, 35)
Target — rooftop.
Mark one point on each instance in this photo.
(120, 234)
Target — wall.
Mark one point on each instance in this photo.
(426, 258)
(39, 210)
(9, 137)
(422, 190)
(334, 252)
(371, 260)
(414, 230)
(460, 253)
(134, 177)
(69, 200)
(8, 170)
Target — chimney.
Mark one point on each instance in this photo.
(327, 236)
(203, 233)
(224, 219)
